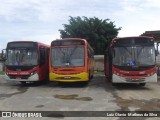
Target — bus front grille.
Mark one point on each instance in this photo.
(135, 80)
(21, 77)
(67, 78)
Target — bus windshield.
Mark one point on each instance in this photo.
(134, 56)
(68, 56)
(22, 57)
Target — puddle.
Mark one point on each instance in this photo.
(141, 105)
(84, 98)
(20, 91)
(73, 97)
(39, 106)
(66, 97)
(137, 105)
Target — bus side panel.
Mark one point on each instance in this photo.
(44, 65)
(51, 77)
(90, 62)
(91, 67)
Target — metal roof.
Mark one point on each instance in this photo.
(154, 34)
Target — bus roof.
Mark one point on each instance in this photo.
(39, 43)
(139, 40)
(70, 39)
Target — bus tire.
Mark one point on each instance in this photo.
(142, 84)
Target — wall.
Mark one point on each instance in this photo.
(1, 66)
(99, 62)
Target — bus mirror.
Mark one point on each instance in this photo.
(3, 54)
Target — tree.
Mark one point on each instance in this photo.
(96, 31)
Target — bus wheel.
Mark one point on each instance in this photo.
(142, 84)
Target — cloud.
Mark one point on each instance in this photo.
(27, 10)
(138, 5)
(47, 10)
(59, 10)
(41, 19)
(44, 38)
(152, 3)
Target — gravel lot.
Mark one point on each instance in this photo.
(98, 95)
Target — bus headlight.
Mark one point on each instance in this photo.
(33, 73)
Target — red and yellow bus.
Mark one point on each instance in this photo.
(71, 60)
(26, 61)
(131, 60)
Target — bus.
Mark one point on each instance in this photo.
(71, 60)
(131, 60)
(27, 61)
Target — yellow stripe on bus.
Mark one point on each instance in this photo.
(69, 78)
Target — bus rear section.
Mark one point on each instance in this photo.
(26, 61)
(131, 60)
(71, 60)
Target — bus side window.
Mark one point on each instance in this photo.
(47, 53)
(42, 55)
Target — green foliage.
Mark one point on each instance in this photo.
(1, 58)
(98, 32)
(2, 72)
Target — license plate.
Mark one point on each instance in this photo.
(67, 77)
(18, 78)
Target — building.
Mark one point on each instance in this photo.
(156, 35)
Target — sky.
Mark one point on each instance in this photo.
(40, 20)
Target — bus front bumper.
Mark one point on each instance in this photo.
(69, 78)
(119, 79)
(30, 78)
